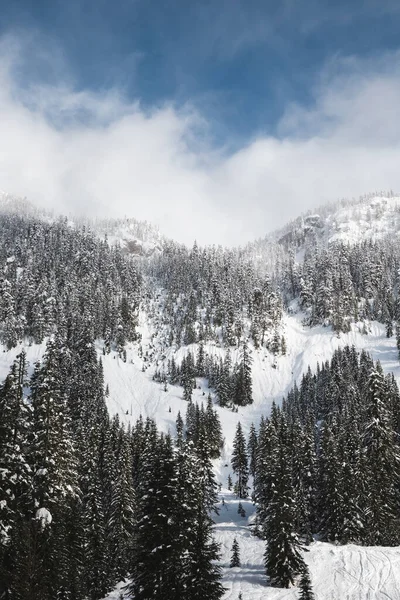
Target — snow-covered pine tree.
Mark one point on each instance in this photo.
(121, 522)
(243, 381)
(283, 560)
(252, 450)
(383, 459)
(235, 554)
(15, 473)
(239, 463)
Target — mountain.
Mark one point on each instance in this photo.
(282, 318)
(138, 238)
(371, 217)
(10, 204)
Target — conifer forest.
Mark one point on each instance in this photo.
(198, 423)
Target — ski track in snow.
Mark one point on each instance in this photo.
(337, 572)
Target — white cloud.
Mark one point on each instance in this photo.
(99, 154)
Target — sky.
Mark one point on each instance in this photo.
(217, 120)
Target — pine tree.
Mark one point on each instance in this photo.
(155, 567)
(239, 463)
(383, 459)
(330, 499)
(306, 592)
(213, 429)
(122, 510)
(52, 448)
(243, 385)
(398, 336)
(203, 574)
(179, 430)
(235, 554)
(283, 561)
(252, 450)
(15, 474)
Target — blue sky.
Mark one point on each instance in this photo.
(240, 61)
(251, 85)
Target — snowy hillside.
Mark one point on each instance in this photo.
(145, 314)
(372, 217)
(13, 204)
(138, 238)
(132, 391)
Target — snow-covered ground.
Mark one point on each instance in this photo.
(371, 220)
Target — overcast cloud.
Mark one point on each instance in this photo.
(98, 154)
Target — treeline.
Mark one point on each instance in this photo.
(328, 463)
(57, 278)
(85, 502)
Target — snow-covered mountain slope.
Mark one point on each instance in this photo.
(349, 572)
(133, 392)
(13, 204)
(370, 217)
(337, 572)
(139, 238)
(370, 220)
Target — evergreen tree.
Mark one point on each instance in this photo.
(15, 474)
(239, 463)
(252, 450)
(283, 561)
(123, 507)
(235, 554)
(383, 459)
(52, 448)
(153, 564)
(306, 592)
(243, 385)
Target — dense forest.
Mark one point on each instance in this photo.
(327, 463)
(86, 502)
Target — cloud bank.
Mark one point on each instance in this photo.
(99, 154)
